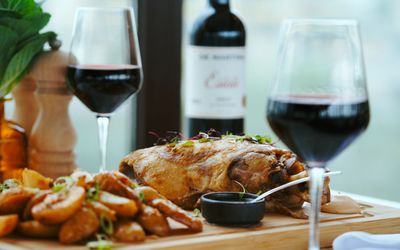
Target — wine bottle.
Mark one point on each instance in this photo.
(215, 72)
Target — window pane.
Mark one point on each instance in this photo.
(122, 121)
(369, 165)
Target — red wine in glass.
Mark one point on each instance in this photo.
(103, 88)
(317, 127)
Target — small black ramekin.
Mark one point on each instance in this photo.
(232, 208)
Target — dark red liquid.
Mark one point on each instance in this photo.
(103, 88)
(317, 128)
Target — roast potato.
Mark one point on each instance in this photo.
(122, 206)
(80, 226)
(102, 210)
(147, 193)
(58, 207)
(33, 179)
(7, 224)
(171, 210)
(129, 231)
(37, 198)
(36, 229)
(14, 200)
(81, 178)
(153, 221)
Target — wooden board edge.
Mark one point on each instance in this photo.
(278, 238)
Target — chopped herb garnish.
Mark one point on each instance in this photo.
(61, 183)
(259, 192)
(187, 143)
(141, 196)
(106, 225)
(196, 212)
(101, 244)
(92, 194)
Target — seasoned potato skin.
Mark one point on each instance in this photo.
(7, 224)
(36, 199)
(171, 210)
(14, 200)
(80, 226)
(33, 179)
(101, 210)
(148, 193)
(122, 206)
(153, 221)
(129, 231)
(36, 229)
(58, 207)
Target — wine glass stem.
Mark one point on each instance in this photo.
(103, 122)
(316, 186)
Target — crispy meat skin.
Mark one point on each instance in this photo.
(184, 173)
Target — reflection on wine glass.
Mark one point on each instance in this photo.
(105, 66)
(318, 104)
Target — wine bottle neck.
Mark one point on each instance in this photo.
(219, 4)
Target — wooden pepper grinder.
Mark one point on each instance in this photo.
(53, 137)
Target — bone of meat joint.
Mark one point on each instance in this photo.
(183, 172)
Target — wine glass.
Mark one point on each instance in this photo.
(105, 67)
(318, 103)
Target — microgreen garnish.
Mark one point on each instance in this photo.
(173, 139)
(203, 140)
(196, 212)
(187, 143)
(241, 194)
(62, 182)
(263, 139)
(106, 225)
(92, 194)
(101, 244)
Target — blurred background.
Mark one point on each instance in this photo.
(369, 165)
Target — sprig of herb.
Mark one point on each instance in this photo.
(101, 244)
(106, 225)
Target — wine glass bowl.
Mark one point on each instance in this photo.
(104, 65)
(318, 104)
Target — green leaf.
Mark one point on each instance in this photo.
(26, 27)
(21, 60)
(24, 7)
(8, 41)
(9, 13)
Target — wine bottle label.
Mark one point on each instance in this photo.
(215, 82)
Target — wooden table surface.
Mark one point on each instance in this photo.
(274, 232)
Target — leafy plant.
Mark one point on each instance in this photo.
(21, 41)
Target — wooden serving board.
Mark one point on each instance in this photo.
(274, 232)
